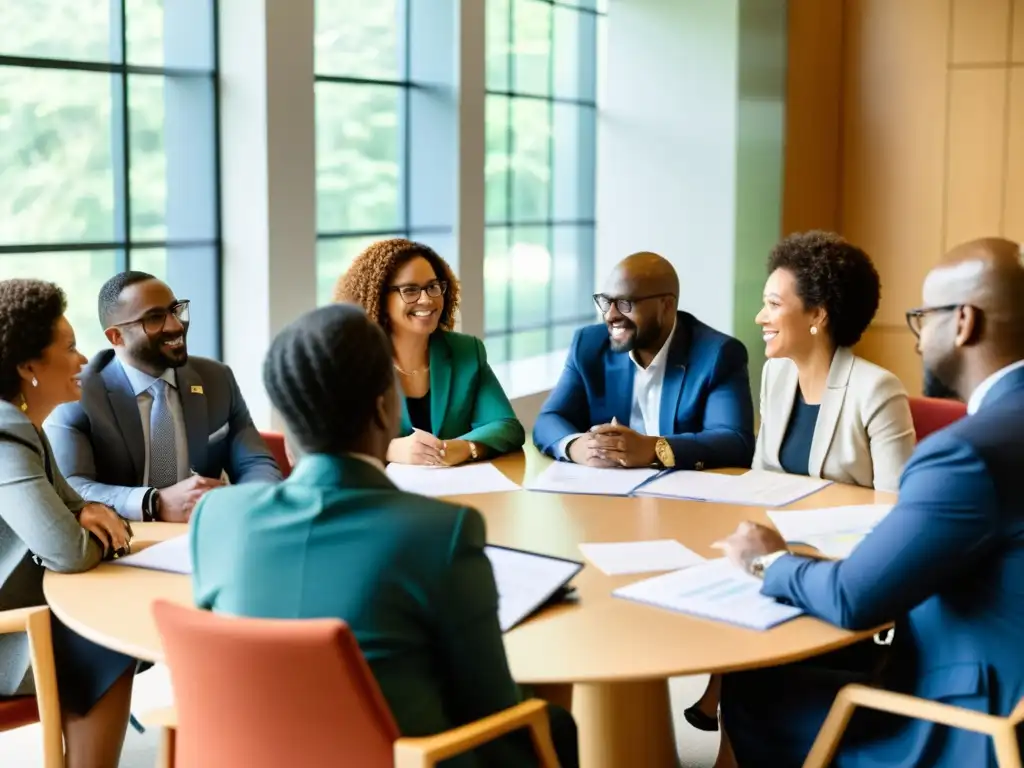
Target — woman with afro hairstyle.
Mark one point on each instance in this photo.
(454, 410)
(824, 411)
(45, 524)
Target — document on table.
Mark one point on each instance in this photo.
(834, 531)
(526, 581)
(753, 488)
(565, 477)
(450, 481)
(171, 555)
(715, 589)
(640, 556)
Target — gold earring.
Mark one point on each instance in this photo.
(814, 330)
(23, 405)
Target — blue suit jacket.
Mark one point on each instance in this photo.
(98, 441)
(947, 564)
(706, 411)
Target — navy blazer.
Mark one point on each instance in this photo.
(98, 442)
(706, 411)
(947, 564)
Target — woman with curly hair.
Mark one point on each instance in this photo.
(454, 409)
(45, 524)
(824, 411)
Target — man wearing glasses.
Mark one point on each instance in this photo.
(154, 430)
(651, 386)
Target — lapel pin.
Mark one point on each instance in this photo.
(196, 389)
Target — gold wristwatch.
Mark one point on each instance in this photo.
(761, 563)
(664, 453)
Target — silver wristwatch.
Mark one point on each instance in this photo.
(761, 563)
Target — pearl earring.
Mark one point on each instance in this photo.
(814, 330)
(35, 382)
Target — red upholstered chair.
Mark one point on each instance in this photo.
(266, 693)
(44, 707)
(930, 414)
(275, 442)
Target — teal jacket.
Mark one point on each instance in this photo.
(408, 574)
(466, 400)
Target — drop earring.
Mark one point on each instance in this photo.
(814, 330)
(35, 382)
(23, 405)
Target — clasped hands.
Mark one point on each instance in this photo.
(113, 532)
(423, 448)
(613, 445)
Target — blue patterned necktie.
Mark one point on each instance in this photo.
(163, 452)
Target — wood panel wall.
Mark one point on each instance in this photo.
(920, 106)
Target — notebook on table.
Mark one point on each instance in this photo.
(528, 581)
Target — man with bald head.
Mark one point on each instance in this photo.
(651, 386)
(946, 565)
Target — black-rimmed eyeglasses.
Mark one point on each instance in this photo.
(625, 306)
(155, 320)
(915, 317)
(411, 293)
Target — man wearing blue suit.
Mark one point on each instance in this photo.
(650, 386)
(154, 430)
(947, 564)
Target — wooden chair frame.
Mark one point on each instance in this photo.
(35, 622)
(426, 751)
(1001, 729)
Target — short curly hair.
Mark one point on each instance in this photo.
(29, 310)
(833, 274)
(366, 281)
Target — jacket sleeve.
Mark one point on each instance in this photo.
(251, 461)
(943, 524)
(890, 430)
(34, 510)
(494, 423)
(567, 409)
(727, 439)
(758, 460)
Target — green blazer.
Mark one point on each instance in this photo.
(408, 574)
(466, 400)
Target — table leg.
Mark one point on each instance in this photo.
(624, 724)
(559, 694)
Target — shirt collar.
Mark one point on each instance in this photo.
(141, 381)
(659, 359)
(978, 395)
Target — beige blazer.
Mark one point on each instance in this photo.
(864, 434)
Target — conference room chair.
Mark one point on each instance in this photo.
(930, 414)
(268, 692)
(44, 707)
(1003, 730)
(275, 442)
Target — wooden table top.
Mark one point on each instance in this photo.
(600, 638)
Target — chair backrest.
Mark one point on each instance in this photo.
(930, 414)
(266, 693)
(275, 442)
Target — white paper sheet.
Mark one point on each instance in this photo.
(640, 556)
(565, 477)
(715, 589)
(450, 481)
(754, 488)
(171, 555)
(834, 531)
(525, 581)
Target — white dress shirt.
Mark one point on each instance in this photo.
(141, 383)
(978, 395)
(645, 416)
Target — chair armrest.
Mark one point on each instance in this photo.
(16, 620)
(429, 750)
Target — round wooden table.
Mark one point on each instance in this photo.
(615, 654)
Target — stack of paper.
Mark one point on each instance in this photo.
(525, 581)
(835, 531)
(172, 555)
(450, 481)
(715, 589)
(564, 477)
(754, 488)
(640, 556)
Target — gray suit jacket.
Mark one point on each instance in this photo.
(99, 446)
(37, 517)
(864, 434)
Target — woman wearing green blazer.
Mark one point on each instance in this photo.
(454, 410)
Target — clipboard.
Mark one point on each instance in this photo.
(528, 582)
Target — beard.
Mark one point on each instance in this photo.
(152, 353)
(636, 337)
(936, 387)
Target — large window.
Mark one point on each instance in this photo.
(540, 176)
(108, 151)
(368, 102)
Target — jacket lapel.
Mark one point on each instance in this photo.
(675, 373)
(783, 392)
(831, 407)
(197, 421)
(440, 381)
(125, 406)
(618, 376)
